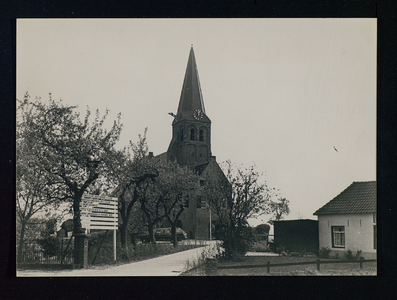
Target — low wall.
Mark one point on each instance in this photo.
(203, 253)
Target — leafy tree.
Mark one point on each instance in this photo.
(279, 208)
(74, 153)
(131, 171)
(48, 241)
(67, 225)
(136, 224)
(240, 197)
(163, 197)
(262, 228)
(33, 193)
(32, 233)
(151, 205)
(173, 184)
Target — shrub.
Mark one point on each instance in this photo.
(324, 252)
(50, 246)
(278, 248)
(239, 243)
(260, 246)
(357, 255)
(349, 255)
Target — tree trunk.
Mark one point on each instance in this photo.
(123, 228)
(133, 239)
(173, 234)
(76, 215)
(21, 240)
(151, 233)
(123, 238)
(77, 231)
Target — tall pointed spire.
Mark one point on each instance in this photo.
(191, 128)
(191, 96)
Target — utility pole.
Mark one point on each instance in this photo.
(195, 226)
(210, 224)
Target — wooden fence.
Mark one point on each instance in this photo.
(59, 255)
(212, 266)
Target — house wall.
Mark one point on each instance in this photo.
(359, 233)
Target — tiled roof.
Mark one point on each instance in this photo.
(358, 198)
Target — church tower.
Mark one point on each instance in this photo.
(191, 129)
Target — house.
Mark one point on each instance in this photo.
(190, 146)
(348, 222)
(296, 235)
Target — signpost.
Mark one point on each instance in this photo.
(100, 212)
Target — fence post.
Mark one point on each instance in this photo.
(268, 267)
(361, 262)
(80, 249)
(318, 264)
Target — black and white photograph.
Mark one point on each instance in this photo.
(196, 147)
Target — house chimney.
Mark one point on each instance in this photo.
(150, 154)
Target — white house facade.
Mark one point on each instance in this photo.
(348, 222)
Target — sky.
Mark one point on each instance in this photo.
(281, 93)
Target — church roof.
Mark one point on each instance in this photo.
(162, 157)
(200, 168)
(191, 96)
(358, 198)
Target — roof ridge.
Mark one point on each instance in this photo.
(364, 181)
(358, 197)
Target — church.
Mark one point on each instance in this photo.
(191, 146)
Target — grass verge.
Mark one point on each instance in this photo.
(348, 269)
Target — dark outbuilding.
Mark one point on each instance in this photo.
(296, 235)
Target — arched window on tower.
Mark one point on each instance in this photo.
(201, 135)
(192, 134)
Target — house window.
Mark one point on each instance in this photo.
(198, 201)
(375, 237)
(181, 134)
(192, 134)
(201, 135)
(338, 236)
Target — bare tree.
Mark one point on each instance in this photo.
(240, 197)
